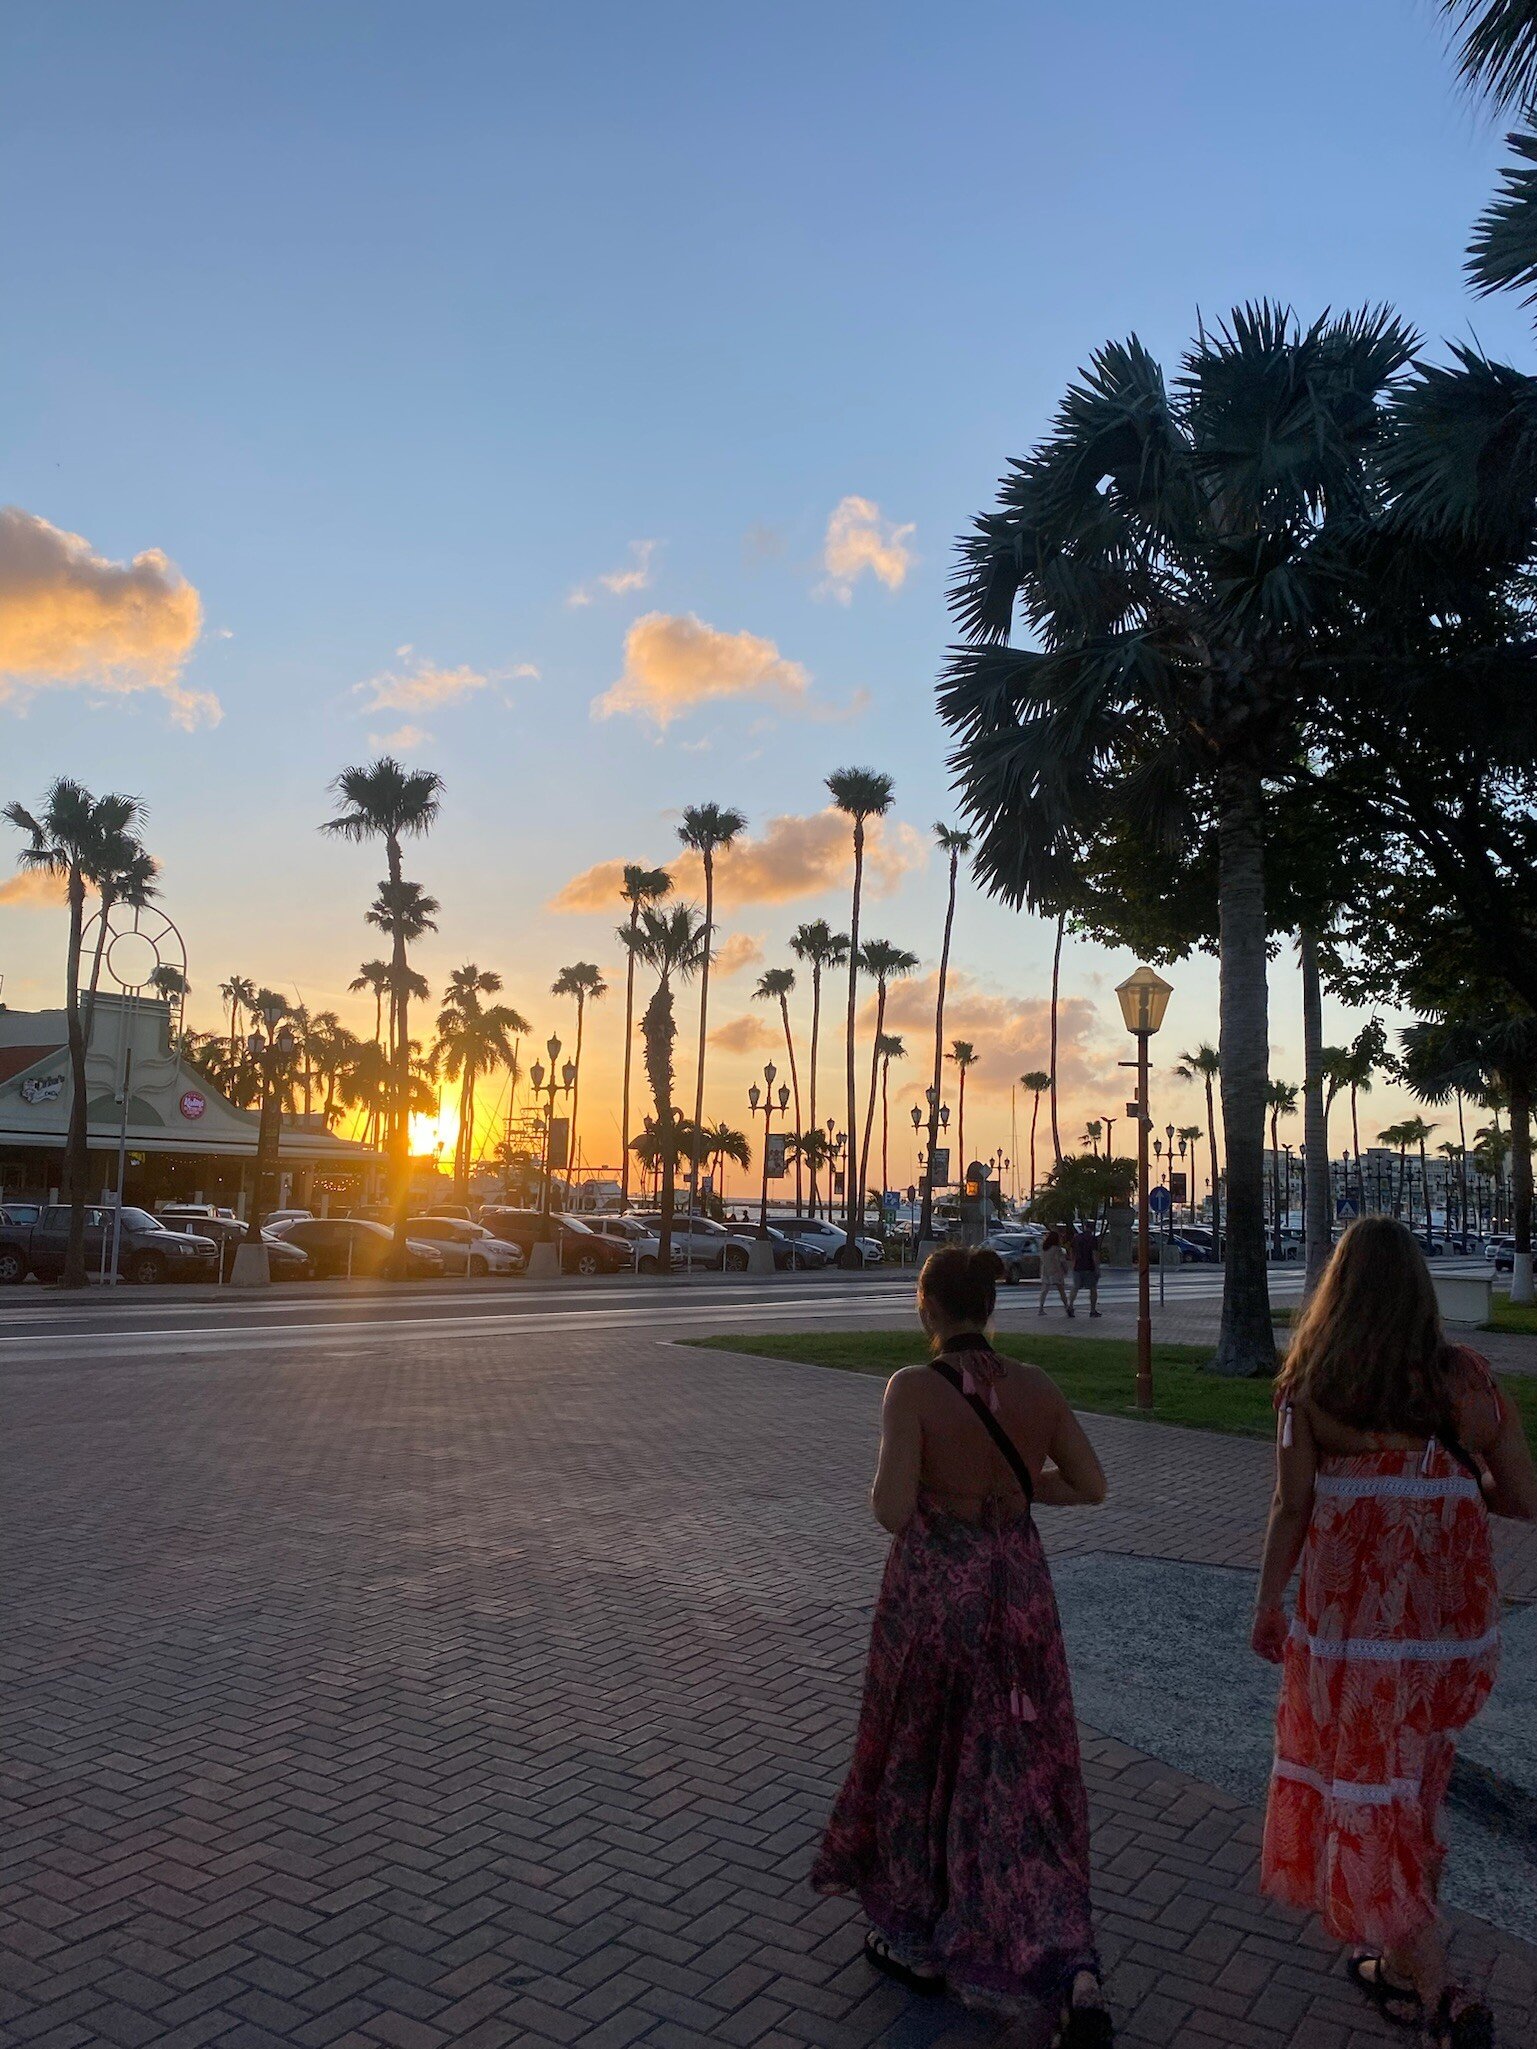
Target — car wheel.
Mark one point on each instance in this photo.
(850, 1258)
(479, 1266)
(13, 1265)
(588, 1263)
(1012, 1275)
(734, 1260)
(146, 1270)
(648, 1264)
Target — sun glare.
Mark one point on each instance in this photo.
(437, 1133)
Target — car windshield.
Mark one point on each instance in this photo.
(141, 1220)
(582, 1230)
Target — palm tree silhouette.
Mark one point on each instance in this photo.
(1205, 1064)
(820, 947)
(706, 830)
(964, 1055)
(473, 1039)
(774, 986)
(952, 843)
(641, 886)
(671, 943)
(860, 794)
(584, 981)
(1035, 1081)
(889, 1047)
(1280, 1101)
(884, 964)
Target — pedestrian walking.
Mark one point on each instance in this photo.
(1053, 1271)
(1085, 1252)
(1395, 1447)
(962, 1826)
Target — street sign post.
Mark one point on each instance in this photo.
(1159, 1201)
(1346, 1207)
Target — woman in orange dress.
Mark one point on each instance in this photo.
(1395, 1448)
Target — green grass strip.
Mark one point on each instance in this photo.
(1096, 1374)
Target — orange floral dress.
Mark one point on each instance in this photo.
(1393, 1647)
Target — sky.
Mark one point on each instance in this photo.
(583, 403)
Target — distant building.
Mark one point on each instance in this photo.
(185, 1141)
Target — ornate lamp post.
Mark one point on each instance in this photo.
(769, 1100)
(1144, 997)
(270, 1053)
(543, 1258)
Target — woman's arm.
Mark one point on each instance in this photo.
(895, 1493)
(1509, 1460)
(1075, 1478)
(1291, 1510)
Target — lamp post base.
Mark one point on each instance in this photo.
(250, 1269)
(760, 1257)
(543, 1263)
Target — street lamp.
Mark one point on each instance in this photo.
(1143, 997)
(769, 1101)
(557, 1082)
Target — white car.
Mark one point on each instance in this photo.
(273, 1217)
(828, 1238)
(467, 1248)
(645, 1247)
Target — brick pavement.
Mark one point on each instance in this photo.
(382, 1698)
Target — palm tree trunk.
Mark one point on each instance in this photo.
(77, 1142)
(875, 1067)
(1425, 1194)
(960, 1129)
(576, 1084)
(795, 1087)
(885, 1129)
(1216, 1171)
(1318, 1221)
(629, 1048)
(926, 1214)
(401, 1129)
(1355, 1141)
(1035, 1111)
(1521, 1285)
(1056, 986)
(704, 1018)
(854, 1197)
(816, 1023)
(1247, 1341)
(1462, 1168)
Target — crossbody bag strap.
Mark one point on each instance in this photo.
(991, 1425)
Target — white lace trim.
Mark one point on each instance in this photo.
(1389, 1650)
(1379, 1795)
(1400, 1486)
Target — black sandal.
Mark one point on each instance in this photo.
(1084, 2027)
(1400, 2004)
(879, 1957)
(1460, 2021)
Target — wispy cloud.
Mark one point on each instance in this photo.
(33, 886)
(420, 686)
(747, 1034)
(406, 739)
(71, 619)
(737, 951)
(674, 662)
(619, 583)
(860, 541)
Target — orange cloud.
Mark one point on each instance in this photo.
(738, 951)
(857, 540)
(674, 662)
(420, 687)
(33, 886)
(72, 619)
(792, 857)
(619, 582)
(747, 1034)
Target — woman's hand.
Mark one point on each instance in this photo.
(1268, 1638)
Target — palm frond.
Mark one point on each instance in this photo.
(1502, 256)
(1463, 454)
(1498, 52)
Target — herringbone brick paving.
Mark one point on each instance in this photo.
(496, 1698)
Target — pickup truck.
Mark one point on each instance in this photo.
(147, 1251)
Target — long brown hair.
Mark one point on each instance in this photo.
(1369, 1349)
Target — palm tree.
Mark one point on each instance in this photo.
(860, 794)
(952, 843)
(123, 873)
(1190, 1136)
(388, 802)
(333, 1048)
(239, 992)
(1280, 1101)
(1056, 999)
(884, 964)
(1093, 1132)
(1362, 1059)
(820, 947)
(1036, 1080)
(724, 1142)
(1396, 1136)
(706, 830)
(889, 1047)
(641, 886)
(173, 985)
(1176, 553)
(774, 986)
(375, 975)
(78, 838)
(1205, 1064)
(672, 944)
(404, 912)
(473, 1039)
(964, 1055)
(584, 981)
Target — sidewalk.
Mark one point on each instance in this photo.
(497, 1697)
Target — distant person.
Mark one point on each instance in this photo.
(1085, 1252)
(1053, 1270)
(963, 1823)
(1395, 1447)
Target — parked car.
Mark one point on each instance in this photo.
(1197, 1250)
(827, 1238)
(581, 1251)
(274, 1217)
(166, 1210)
(285, 1262)
(466, 1248)
(727, 1248)
(350, 1248)
(20, 1212)
(1019, 1247)
(147, 1251)
(642, 1243)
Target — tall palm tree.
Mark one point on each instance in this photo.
(672, 944)
(405, 913)
(1205, 1065)
(641, 886)
(819, 947)
(583, 981)
(1175, 550)
(724, 1142)
(1280, 1101)
(889, 1047)
(78, 838)
(774, 986)
(474, 1038)
(884, 964)
(388, 802)
(1363, 1057)
(952, 843)
(124, 873)
(1035, 1081)
(239, 992)
(1093, 1132)
(1056, 1007)
(1396, 1138)
(375, 975)
(860, 794)
(963, 1056)
(1191, 1136)
(706, 830)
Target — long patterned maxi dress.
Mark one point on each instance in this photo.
(1394, 1647)
(963, 1825)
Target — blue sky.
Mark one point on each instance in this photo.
(393, 326)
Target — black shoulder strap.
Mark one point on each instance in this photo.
(993, 1427)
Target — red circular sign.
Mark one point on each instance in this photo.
(193, 1103)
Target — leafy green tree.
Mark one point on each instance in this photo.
(819, 947)
(641, 886)
(860, 794)
(1178, 554)
(954, 844)
(1084, 1188)
(774, 986)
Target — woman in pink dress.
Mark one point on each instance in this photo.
(1395, 1448)
(963, 1824)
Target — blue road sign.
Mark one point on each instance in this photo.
(1345, 1206)
(1159, 1201)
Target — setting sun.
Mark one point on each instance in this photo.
(437, 1133)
